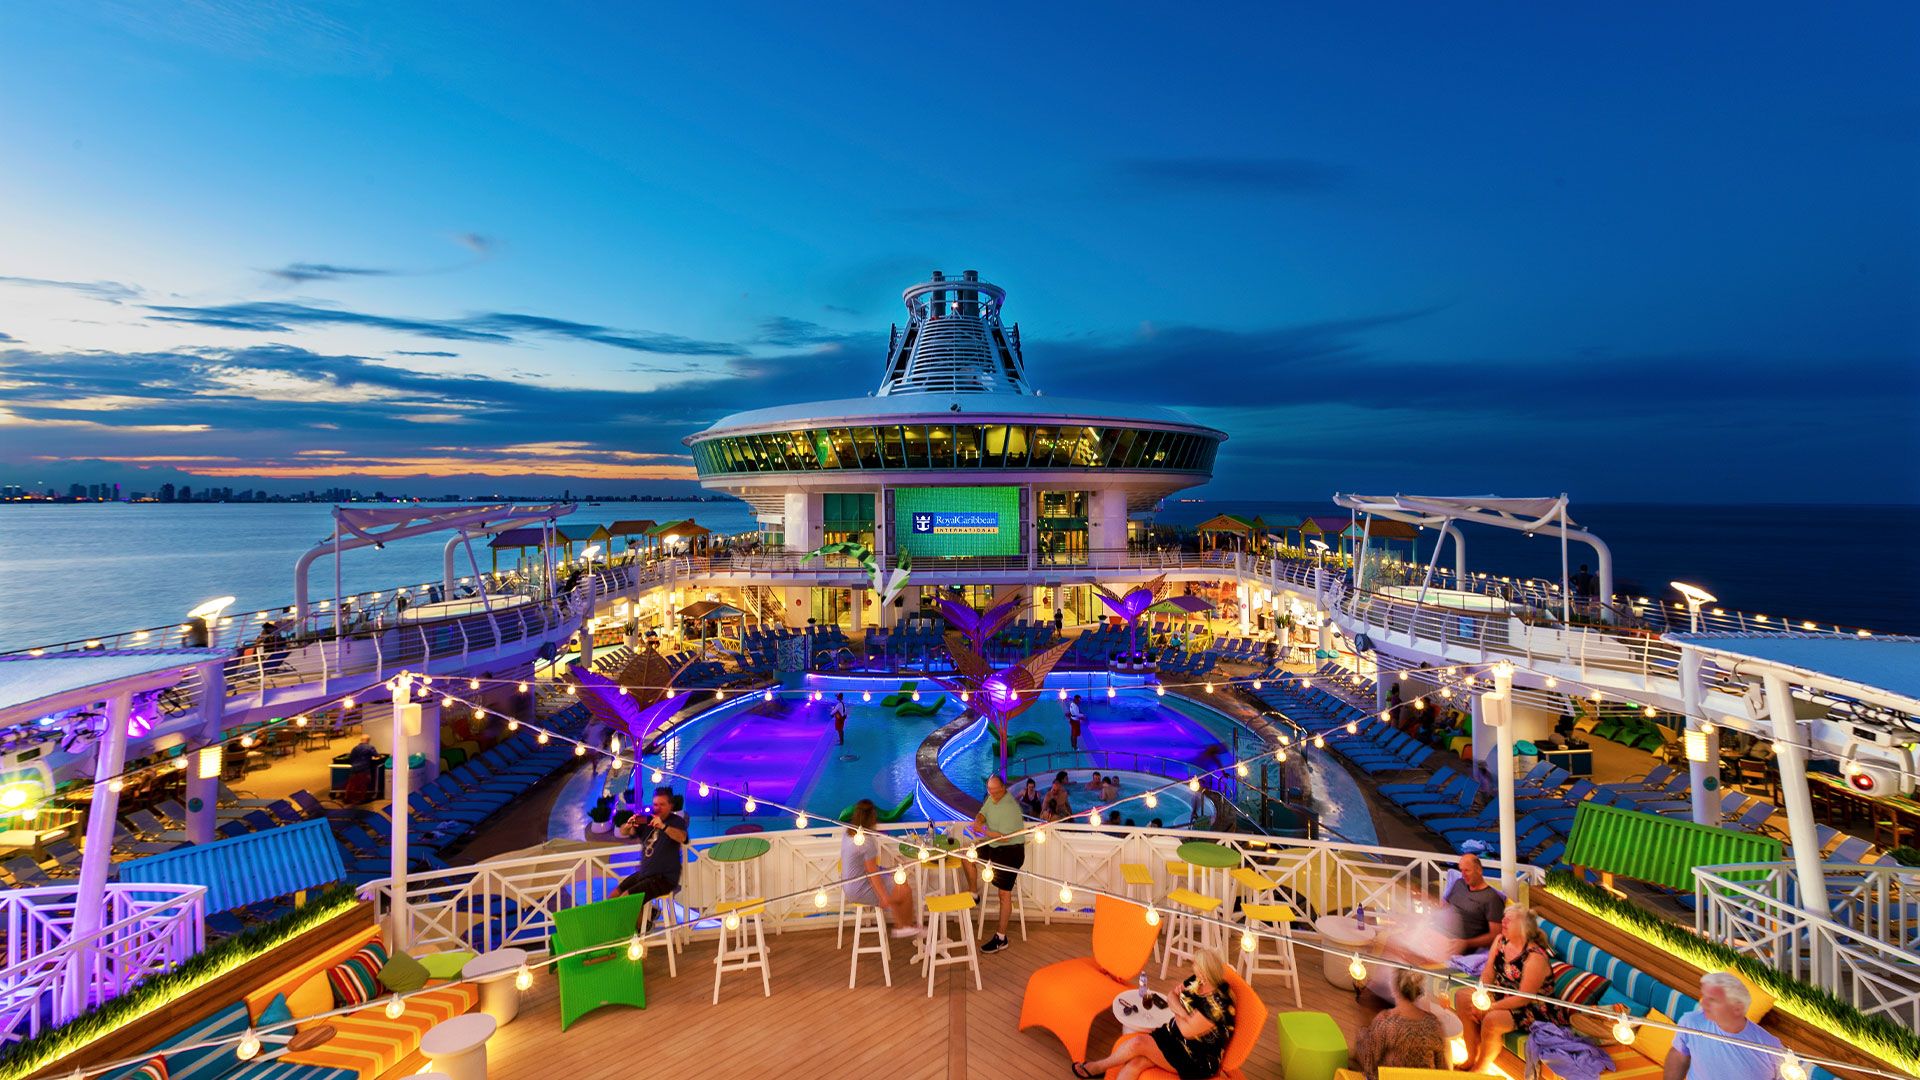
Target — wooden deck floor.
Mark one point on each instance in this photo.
(813, 1026)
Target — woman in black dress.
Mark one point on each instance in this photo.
(1192, 1044)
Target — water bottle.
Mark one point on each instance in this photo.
(1360, 916)
(1143, 980)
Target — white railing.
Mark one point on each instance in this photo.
(510, 902)
(1753, 908)
(52, 976)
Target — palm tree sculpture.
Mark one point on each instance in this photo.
(999, 694)
(1130, 608)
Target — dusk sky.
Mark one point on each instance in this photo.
(1663, 252)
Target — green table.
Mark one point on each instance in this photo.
(911, 850)
(1214, 860)
(736, 858)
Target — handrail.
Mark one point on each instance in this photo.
(51, 977)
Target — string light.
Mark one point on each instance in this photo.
(249, 1046)
(1152, 800)
(572, 690)
(1061, 694)
(1457, 1049)
(1193, 785)
(1247, 941)
(1623, 1029)
(799, 821)
(1481, 999)
(543, 740)
(1353, 727)
(579, 750)
(732, 921)
(636, 948)
(915, 695)
(395, 1007)
(965, 696)
(1039, 835)
(1093, 817)
(1259, 684)
(986, 873)
(1066, 894)
(522, 687)
(1209, 688)
(658, 776)
(346, 703)
(513, 725)
(473, 684)
(1790, 1067)
(820, 899)
(767, 696)
(1357, 969)
(1241, 769)
(900, 875)
(706, 791)
(1319, 742)
(1159, 691)
(752, 804)
(523, 979)
(925, 855)
(866, 695)
(1153, 916)
(447, 702)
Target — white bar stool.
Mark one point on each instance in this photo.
(1281, 961)
(1193, 930)
(939, 949)
(879, 946)
(662, 910)
(743, 946)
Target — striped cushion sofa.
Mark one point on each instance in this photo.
(366, 1044)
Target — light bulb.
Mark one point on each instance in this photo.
(732, 921)
(395, 1007)
(1061, 694)
(1159, 691)
(986, 873)
(1111, 692)
(623, 691)
(1791, 1069)
(447, 702)
(613, 744)
(719, 695)
(1152, 800)
(473, 684)
(522, 687)
(523, 979)
(658, 776)
(249, 1046)
(1247, 941)
(1319, 742)
(1279, 755)
(1258, 684)
(899, 875)
(114, 785)
(767, 696)
(1623, 1031)
(1066, 894)
(1307, 683)
(1482, 1000)
(1153, 916)
(816, 695)
(1353, 727)
(1039, 836)
(704, 789)
(820, 898)
(1357, 969)
(1241, 769)
(579, 750)
(543, 739)
(1193, 785)
(1457, 1049)
(859, 839)
(1093, 817)
(1209, 688)
(916, 695)
(799, 821)
(347, 703)
(923, 855)
(866, 695)
(752, 804)
(246, 742)
(965, 696)
(299, 721)
(572, 690)
(513, 725)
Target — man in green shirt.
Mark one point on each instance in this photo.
(999, 820)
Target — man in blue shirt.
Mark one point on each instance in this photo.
(1753, 1053)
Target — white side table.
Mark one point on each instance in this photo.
(1343, 937)
(494, 972)
(458, 1047)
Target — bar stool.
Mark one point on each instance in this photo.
(743, 946)
(1281, 961)
(1139, 880)
(879, 946)
(663, 911)
(991, 888)
(1192, 931)
(939, 950)
(1250, 885)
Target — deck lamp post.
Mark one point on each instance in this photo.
(1696, 597)
(1500, 709)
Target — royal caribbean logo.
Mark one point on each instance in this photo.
(967, 523)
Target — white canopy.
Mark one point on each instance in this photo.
(1531, 513)
(33, 686)
(1883, 670)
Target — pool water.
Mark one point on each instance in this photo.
(785, 752)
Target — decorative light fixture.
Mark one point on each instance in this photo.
(447, 702)
(799, 821)
(1247, 941)
(706, 791)
(1790, 1067)
(1209, 688)
(1153, 916)
(1112, 693)
(1061, 694)
(899, 875)
(752, 805)
(916, 693)
(1353, 727)
(986, 873)
(732, 921)
(1241, 769)
(543, 739)
(346, 703)
(114, 785)
(658, 776)
(1258, 684)
(820, 898)
(1623, 1029)
(1319, 742)
(1039, 835)
(473, 684)
(1159, 690)
(1152, 800)
(866, 695)
(249, 1047)
(579, 750)
(1066, 894)
(522, 687)
(1357, 969)
(1696, 742)
(965, 696)
(1193, 784)
(1481, 999)
(1093, 816)
(572, 690)
(246, 742)
(924, 854)
(513, 725)
(636, 948)
(1457, 1049)
(395, 1007)
(767, 696)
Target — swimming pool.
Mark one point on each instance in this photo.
(785, 751)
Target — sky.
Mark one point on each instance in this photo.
(1651, 252)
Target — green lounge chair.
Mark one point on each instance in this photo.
(928, 707)
(603, 975)
(885, 816)
(904, 696)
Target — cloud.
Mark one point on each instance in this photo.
(280, 317)
(478, 243)
(112, 292)
(1227, 175)
(788, 332)
(6, 337)
(300, 273)
(424, 352)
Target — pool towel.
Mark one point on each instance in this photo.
(1571, 1056)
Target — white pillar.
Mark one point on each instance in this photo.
(1481, 725)
(1789, 752)
(103, 811)
(856, 610)
(586, 624)
(1706, 804)
(406, 724)
(203, 792)
(1500, 703)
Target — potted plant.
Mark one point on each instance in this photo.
(600, 818)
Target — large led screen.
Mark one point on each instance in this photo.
(943, 522)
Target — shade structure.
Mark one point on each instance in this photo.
(710, 611)
(1182, 605)
(248, 869)
(630, 527)
(518, 538)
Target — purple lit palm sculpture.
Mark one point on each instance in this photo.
(999, 694)
(1131, 607)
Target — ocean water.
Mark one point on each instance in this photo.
(73, 570)
(69, 571)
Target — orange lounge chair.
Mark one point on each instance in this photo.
(1249, 1019)
(1066, 997)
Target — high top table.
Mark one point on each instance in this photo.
(1213, 861)
(738, 861)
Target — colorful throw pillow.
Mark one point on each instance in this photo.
(1654, 1042)
(155, 1068)
(403, 973)
(311, 998)
(1576, 986)
(445, 965)
(274, 1025)
(356, 980)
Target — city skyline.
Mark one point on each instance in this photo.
(1659, 255)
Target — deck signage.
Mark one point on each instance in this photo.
(968, 523)
(961, 521)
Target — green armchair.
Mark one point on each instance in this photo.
(602, 975)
